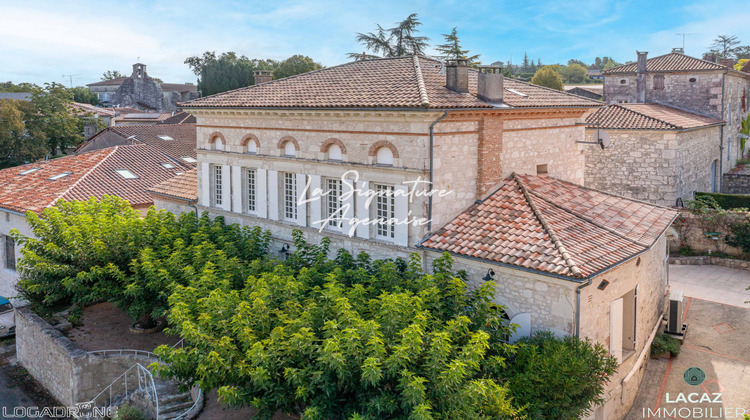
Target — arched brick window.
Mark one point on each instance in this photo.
(216, 141)
(251, 144)
(288, 146)
(383, 153)
(334, 149)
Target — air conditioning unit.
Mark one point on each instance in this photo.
(674, 318)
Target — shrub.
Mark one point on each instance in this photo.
(740, 236)
(128, 412)
(558, 378)
(726, 201)
(664, 343)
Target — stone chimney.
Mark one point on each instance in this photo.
(640, 78)
(727, 62)
(457, 75)
(710, 57)
(262, 76)
(490, 84)
(678, 50)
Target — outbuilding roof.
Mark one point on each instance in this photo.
(673, 61)
(648, 117)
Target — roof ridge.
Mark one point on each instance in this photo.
(555, 240)
(423, 99)
(87, 173)
(612, 70)
(589, 220)
(624, 106)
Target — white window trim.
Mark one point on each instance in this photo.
(390, 212)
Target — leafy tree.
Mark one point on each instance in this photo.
(21, 87)
(742, 52)
(393, 42)
(547, 76)
(573, 73)
(296, 64)
(452, 48)
(111, 74)
(18, 144)
(52, 116)
(84, 95)
(725, 45)
(741, 63)
(225, 72)
(574, 61)
(558, 378)
(605, 63)
(740, 236)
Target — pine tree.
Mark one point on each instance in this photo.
(452, 48)
(525, 66)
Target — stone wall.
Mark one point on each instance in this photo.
(736, 183)
(136, 93)
(707, 260)
(658, 166)
(9, 278)
(689, 231)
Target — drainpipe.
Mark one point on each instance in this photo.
(719, 176)
(432, 142)
(578, 306)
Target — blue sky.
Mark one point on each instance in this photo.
(42, 40)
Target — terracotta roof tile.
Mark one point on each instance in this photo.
(669, 62)
(184, 186)
(647, 117)
(182, 145)
(552, 226)
(90, 175)
(401, 82)
(111, 82)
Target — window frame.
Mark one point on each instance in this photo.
(250, 191)
(9, 245)
(217, 184)
(332, 203)
(382, 204)
(288, 184)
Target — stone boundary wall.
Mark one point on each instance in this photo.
(735, 183)
(706, 260)
(691, 233)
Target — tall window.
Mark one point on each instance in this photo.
(250, 202)
(216, 183)
(290, 196)
(10, 253)
(384, 212)
(333, 202)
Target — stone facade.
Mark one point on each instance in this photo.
(688, 231)
(723, 94)
(9, 277)
(736, 183)
(140, 91)
(658, 166)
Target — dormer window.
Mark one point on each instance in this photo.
(126, 174)
(58, 176)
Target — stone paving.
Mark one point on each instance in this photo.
(712, 282)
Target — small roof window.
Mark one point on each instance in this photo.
(58, 176)
(518, 93)
(167, 165)
(28, 171)
(126, 174)
(189, 159)
(165, 137)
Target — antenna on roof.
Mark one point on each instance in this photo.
(683, 38)
(70, 78)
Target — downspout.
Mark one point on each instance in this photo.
(719, 176)
(432, 143)
(190, 204)
(578, 306)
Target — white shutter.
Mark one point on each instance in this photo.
(316, 205)
(273, 195)
(261, 199)
(237, 189)
(523, 329)
(205, 192)
(226, 188)
(615, 329)
(347, 189)
(362, 211)
(301, 208)
(401, 211)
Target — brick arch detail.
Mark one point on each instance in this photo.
(213, 136)
(280, 144)
(328, 143)
(383, 143)
(251, 137)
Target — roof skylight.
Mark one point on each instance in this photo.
(58, 176)
(126, 174)
(165, 137)
(167, 165)
(189, 159)
(28, 171)
(518, 93)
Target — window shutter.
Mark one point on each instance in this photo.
(316, 206)
(237, 189)
(362, 211)
(205, 192)
(226, 188)
(615, 329)
(301, 181)
(347, 189)
(273, 195)
(401, 211)
(261, 204)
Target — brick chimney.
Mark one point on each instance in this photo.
(490, 84)
(726, 62)
(640, 78)
(457, 75)
(710, 57)
(262, 76)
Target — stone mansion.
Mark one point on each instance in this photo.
(442, 158)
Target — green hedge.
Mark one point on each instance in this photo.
(727, 201)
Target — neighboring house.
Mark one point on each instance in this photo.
(124, 171)
(658, 153)
(95, 117)
(141, 118)
(178, 194)
(175, 141)
(19, 96)
(593, 72)
(700, 86)
(142, 92)
(349, 143)
(588, 91)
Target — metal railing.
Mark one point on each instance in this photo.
(136, 379)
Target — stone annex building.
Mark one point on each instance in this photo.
(347, 143)
(674, 127)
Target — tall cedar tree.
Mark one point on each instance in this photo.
(452, 48)
(393, 42)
